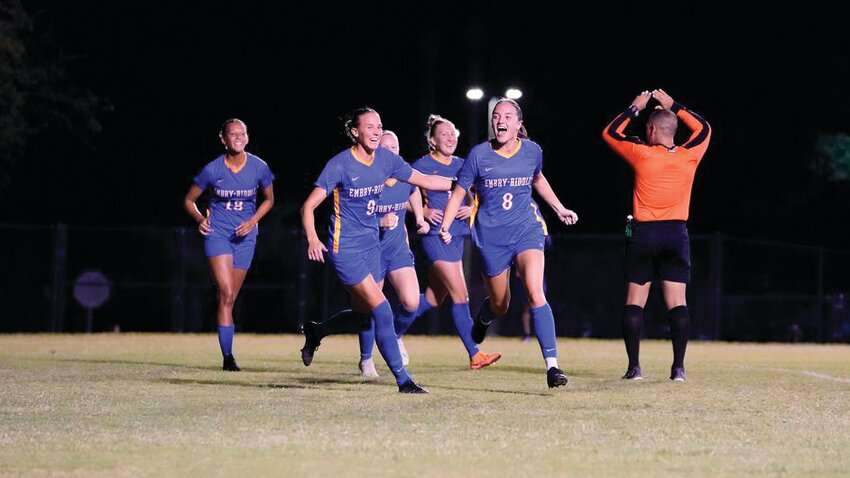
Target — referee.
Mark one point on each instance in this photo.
(657, 244)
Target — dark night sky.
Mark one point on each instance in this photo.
(768, 82)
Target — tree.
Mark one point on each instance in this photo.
(35, 92)
(831, 157)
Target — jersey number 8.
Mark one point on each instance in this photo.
(507, 201)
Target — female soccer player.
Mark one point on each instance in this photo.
(356, 177)
(445, 276)
(507, 226)
(230, 227)
(396, 258)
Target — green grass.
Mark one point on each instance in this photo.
(158, 404)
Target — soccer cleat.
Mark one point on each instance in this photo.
(555, 377)
(411, 387)
(405, 358)
(677, 374)
(633, 373)
(481, 360)
(230, 364)
(311, 343)
(367, 369)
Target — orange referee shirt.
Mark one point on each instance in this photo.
(663, 177)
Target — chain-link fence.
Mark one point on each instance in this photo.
(159, 280)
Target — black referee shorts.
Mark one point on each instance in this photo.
(658, 250)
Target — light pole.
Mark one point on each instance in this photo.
(474, 95)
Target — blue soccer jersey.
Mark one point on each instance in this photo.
(394, 198)
(233, 193)
(503, 185)
(429, 164)
(356, 185)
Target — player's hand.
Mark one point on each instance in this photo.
(434, 216)
(640, 100)
(389, 221)
(445, 235)
(567, 216)
(315, 250)
(463, 212)
(204, 227)
(422, 227)
(664, 100)
(245, 228)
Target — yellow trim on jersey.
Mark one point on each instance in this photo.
(337, 225)
(437, 159)
(512, 153)
(367, 162)
(540, 220)
(474, 210)
(391, 182)
(236, 169)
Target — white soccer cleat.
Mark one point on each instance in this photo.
(367, 369)
(405, 359)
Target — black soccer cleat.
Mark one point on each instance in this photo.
(311, 343)
(677, 374)
(633, 373)
(411, 387)
(230, 364)
(555, 377)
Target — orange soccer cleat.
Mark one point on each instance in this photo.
(481, 360)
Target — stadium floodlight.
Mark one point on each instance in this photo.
(514, 93)
(474, 94)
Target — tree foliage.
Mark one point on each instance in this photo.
(831, 157)
(36, 93)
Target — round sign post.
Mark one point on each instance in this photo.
(91, 290)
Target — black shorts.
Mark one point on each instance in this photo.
(658, 250)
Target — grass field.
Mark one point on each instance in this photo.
(157, 404)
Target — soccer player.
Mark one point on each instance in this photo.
(508, 228)
(356, 177)
(657, 245)
(445, 276)
(230, 226)
(396, 258)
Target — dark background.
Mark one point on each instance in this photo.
(769, 81)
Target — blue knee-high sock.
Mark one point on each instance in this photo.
(424, 306)
(404, 319)
(386, 339)
(225, 339)
(463, 322)
(544, 327)
(367, 341)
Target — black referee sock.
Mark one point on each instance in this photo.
(680, 328)
(343, 322)
(632, 329)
